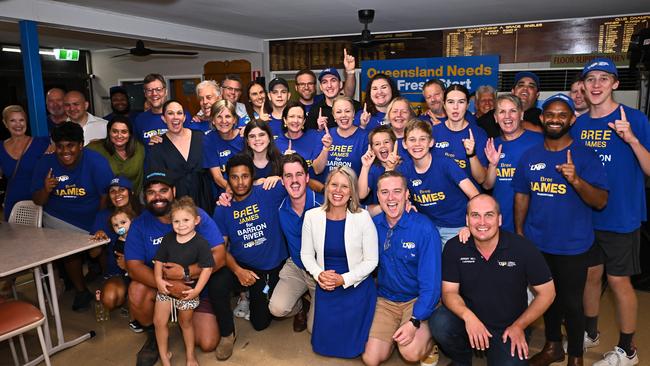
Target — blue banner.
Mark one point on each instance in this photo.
(410, 74)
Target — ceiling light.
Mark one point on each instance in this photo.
(17, 50)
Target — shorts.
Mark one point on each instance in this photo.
(389, 316)
(179, 304)
(620, 253)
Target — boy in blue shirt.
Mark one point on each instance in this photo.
(621, 137)
(557, 184)
(408, 282)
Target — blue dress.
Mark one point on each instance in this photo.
(18, 188)
(342, 318)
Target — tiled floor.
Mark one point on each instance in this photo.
(277, 345)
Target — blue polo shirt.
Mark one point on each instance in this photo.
(626, 207)
(495, 289)
(347, 150)
(450, 143)
(146, 234)
(409, 265)
(436, 192)
(558, 221)
(253, 228)
(376, 120)
(510, 154)
(291, 223)
(77, 196)
(149, 124)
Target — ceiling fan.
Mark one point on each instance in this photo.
(140, 51)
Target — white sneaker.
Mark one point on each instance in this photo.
(242, 309)
(586, 343)
(618, 357)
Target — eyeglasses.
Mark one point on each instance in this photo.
(154, 90)
(304, 85)
(389, 235)
(231, 89)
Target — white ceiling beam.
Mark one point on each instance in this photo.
(67, 16)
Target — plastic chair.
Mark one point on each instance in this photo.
(18, 317)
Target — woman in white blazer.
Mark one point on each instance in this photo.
(340, 250)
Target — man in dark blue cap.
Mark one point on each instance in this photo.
(526, 87)
(120, 104)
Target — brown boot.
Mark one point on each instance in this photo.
(574, 361)
(552, 352)
(300, 319)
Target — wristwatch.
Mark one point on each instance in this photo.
(415, 322)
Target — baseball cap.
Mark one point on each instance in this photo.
(278, 81)
(121, 181)
(117, 89)
(600, 64)
(157, 177)
(526, 74)
(561, 98)
(329, 71)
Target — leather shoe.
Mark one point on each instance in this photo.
(552, 352)
(300, 319)
(575, 361)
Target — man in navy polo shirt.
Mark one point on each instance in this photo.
(484, 290)
(256, 249)
(408, 283)
(557, 185)
(287, 299)
(142, 243)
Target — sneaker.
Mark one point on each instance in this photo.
(242, 310)
(432, 357)
(82, 301)
(148, 354)
(588, 342)
(618, 357)
(225, 347)
(135, 326)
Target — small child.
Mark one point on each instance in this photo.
(183, 246)
(121, 222)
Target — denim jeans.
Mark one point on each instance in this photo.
(447, 233)
(449, 332)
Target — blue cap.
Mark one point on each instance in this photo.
(526, 74)
(561, 98)
(600, 64)
(121, 181)
(157, 177)
(329, 71)
(278, 81)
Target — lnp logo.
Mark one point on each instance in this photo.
(503, 155)
(506, 263)
(416, 182)
(156, 241)
(408, 245)
(538, 166)
(442, 144)
(62, 178)
(223, 154)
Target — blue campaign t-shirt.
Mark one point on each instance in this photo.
(376, 120)
(76, 198)
(626, 207)
(558, 220)
(510, 154)
(291, 223)
(253, 228)
(308, 146)
(450, 144)
(276, 127)
(203, 125)
(376, 170)
(149, 124)
(217, 151)
(436, 193)
(347, 150)
(146, 234)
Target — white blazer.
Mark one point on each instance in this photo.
(361, 246)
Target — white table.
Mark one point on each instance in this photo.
(26, 247)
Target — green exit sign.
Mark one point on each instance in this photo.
(66, 55)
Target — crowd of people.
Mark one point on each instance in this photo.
(373, 227)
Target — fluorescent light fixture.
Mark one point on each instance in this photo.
(17, 50)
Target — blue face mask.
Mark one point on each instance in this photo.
(121, 231)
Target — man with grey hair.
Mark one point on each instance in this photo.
(208, 92)
(486, 97)
(56, 112)
(231, 89)
(76, 108)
